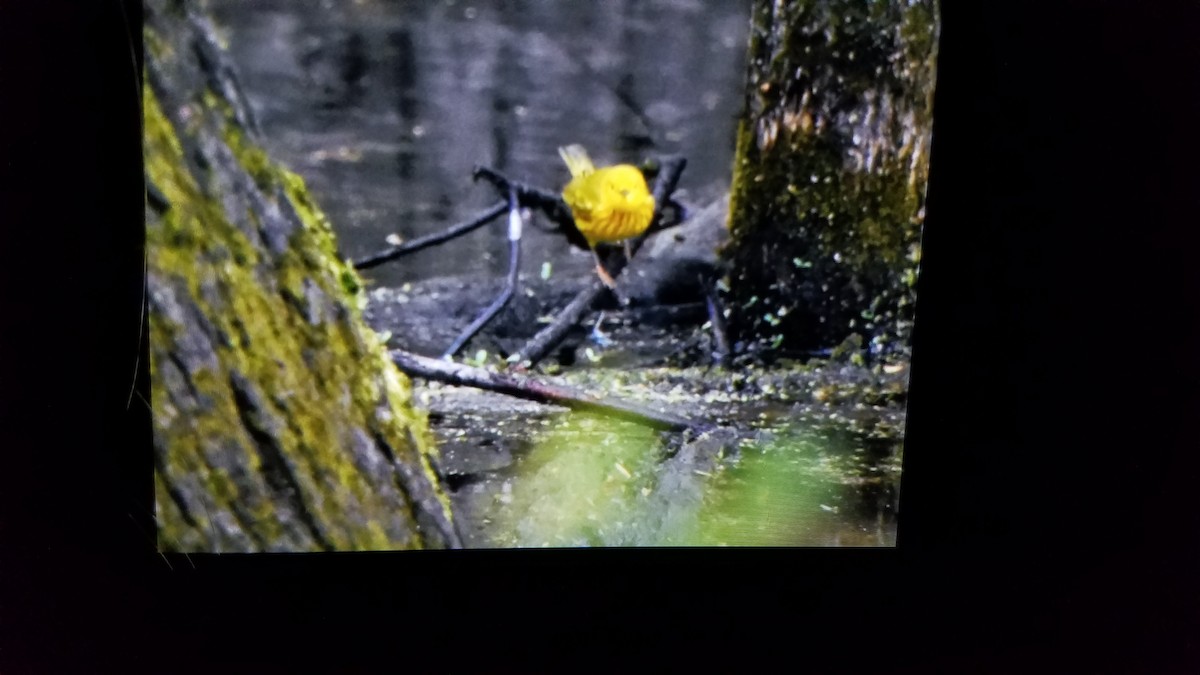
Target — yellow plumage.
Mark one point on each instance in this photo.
(609, 204)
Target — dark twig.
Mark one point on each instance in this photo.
(549, 203)
(434, 239)
(510, 286)
(541, 344)
(528, 196)
(533, 390)
(716, 318)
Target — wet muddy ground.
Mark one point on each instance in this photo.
(802, 454)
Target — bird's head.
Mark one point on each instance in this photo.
(627, 183)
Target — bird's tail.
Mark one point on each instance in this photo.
(577, 160)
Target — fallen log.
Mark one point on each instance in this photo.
(530, 389)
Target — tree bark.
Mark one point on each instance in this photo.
(829, 183)
(280, 422)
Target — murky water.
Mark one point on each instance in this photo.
(575, 480)
(386, 106)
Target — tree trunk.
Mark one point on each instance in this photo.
(829, 183)
(280, 423)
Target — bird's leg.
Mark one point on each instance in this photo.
(628, 251)
(598, 336)
(608, 280)
(604, 275)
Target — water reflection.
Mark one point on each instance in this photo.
(385, 107)
(584, 484)
(595, 482)
(803, 489)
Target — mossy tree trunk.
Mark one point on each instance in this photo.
(280, 424)
(829, 179)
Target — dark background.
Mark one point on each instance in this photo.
(1049, 511)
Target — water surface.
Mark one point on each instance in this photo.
(384, 107)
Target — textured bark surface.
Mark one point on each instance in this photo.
(829, 180)
(280, 423)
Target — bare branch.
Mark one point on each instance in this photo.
(535, 390)
(434, 239)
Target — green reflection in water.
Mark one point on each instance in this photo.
(581, 485)
(595, 482)
(778, 494)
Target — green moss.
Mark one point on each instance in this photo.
(155, 46)
(350, 283)
(188, 245)
(803, 188)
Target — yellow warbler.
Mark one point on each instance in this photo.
(609, 204)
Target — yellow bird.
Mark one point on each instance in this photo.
(610, 204)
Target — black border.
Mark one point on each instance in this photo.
(1047, 524)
